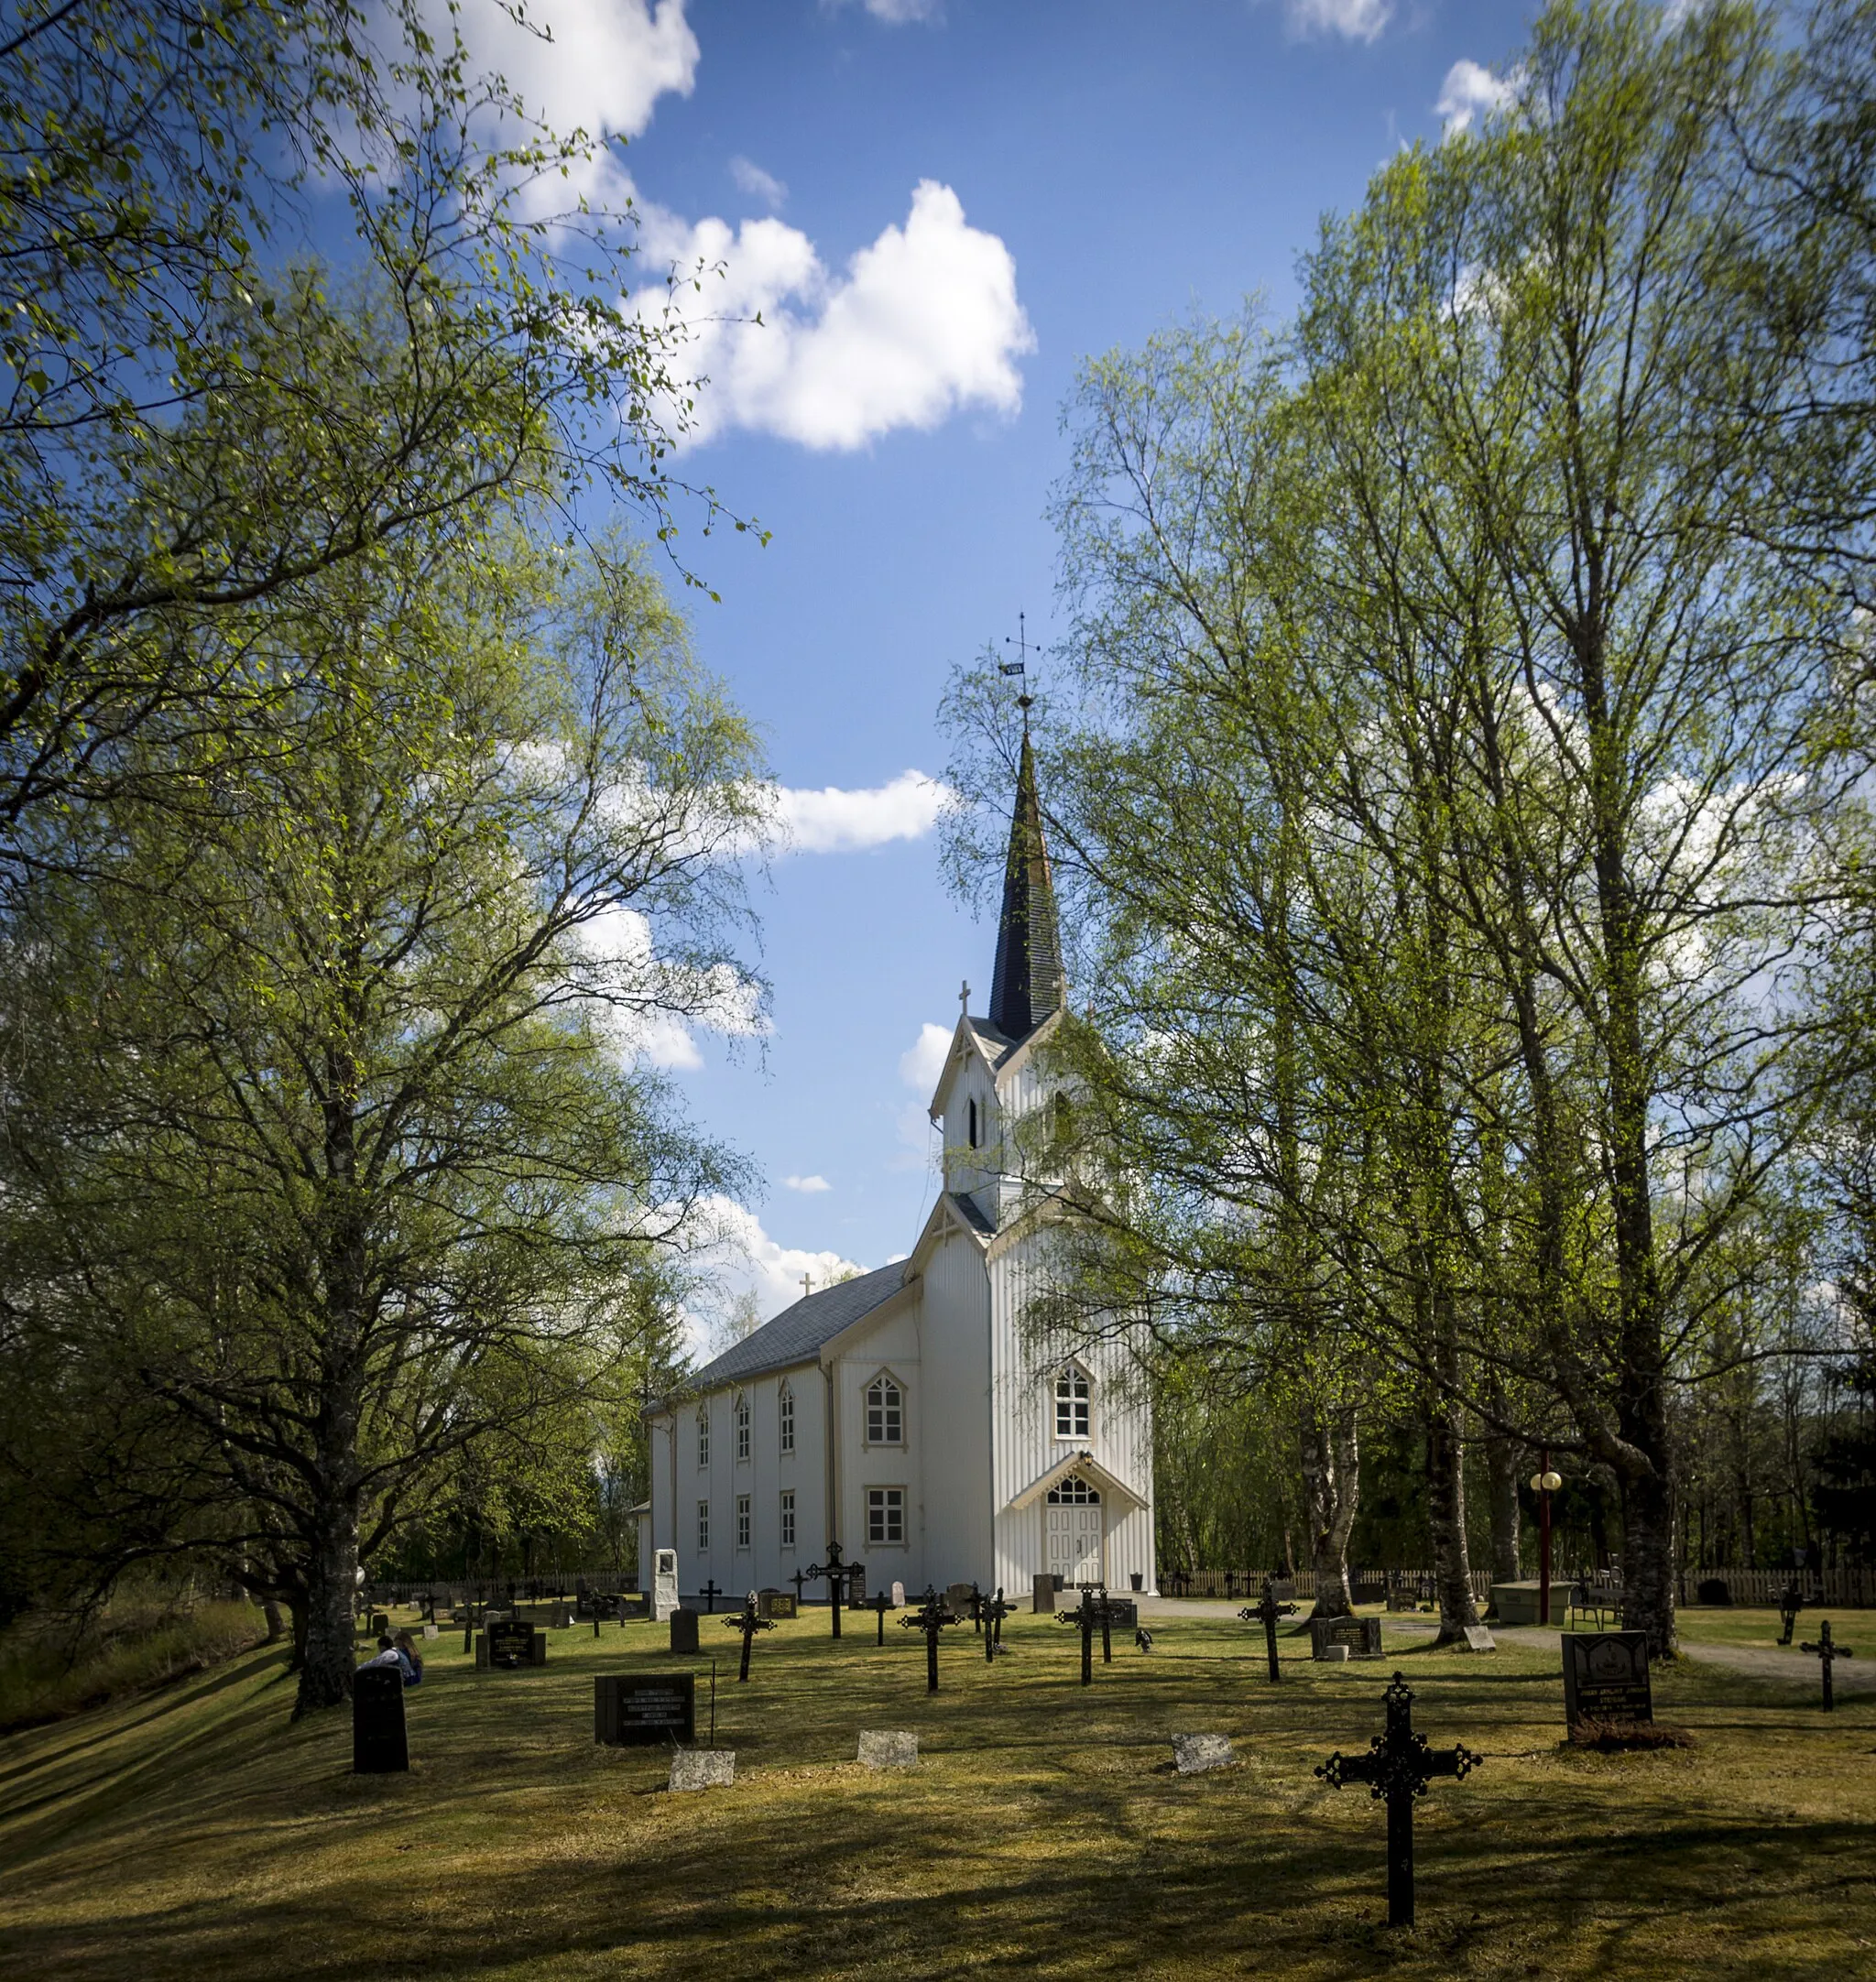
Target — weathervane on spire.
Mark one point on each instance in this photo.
(1019, 667)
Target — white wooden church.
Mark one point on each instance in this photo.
(904, 1414)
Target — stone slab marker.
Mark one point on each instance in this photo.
(1043, 1596)
(664, 1583)
(1193, 1754)
(703, 1768)
(683, 1630)
(888, 1749)
(899, 1596)
(379, 1747)
(1477, 1639)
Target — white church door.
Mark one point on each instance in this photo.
(1073, 1524)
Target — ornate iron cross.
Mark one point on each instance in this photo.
(1396, 1768)
(992, 1612)
(1266, 1611)
(748, 1624)
(931, 1618)
(1789, 1602)
(1084, 1615)
(1829, 1654)
(835, 1570)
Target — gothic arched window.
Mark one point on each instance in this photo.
(785, 1415)
(703, 1438)
(885, 1412)
(742, 1428)
(974, 1121)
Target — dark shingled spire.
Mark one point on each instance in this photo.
(1025, 985)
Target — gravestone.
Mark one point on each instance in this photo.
(1606, 1677)
(856, 1586)
(1123, 1611)
(1477, 1639)
(379, 1747)
(957, 1597)
(776, 1604)
(1283, 1588)
(703, 1768)
(1333, 1655)
(634, 1606)
(644, 1709)
(1042, 1600)
(899, 1596)
(664, 1584)
(509, 1644)
(684, 1630)
(1521, 1603)
(1362, 1636)
(429, 1630)
(1193, 1754)
(889, 1750)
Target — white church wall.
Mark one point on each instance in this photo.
(890, 1348)
(955, 1488)
(969, 1173)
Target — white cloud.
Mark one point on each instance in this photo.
(1471, 91)
(922, 1063)
(597, 65)
(811, 1185)
(759, 185)
(1356, 20)
(896, 13)
(836, 821)
(743, 1256)
(632, 987)
(924, 324)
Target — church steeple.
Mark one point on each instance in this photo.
(1026, 985)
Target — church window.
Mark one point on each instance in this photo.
(703, 1438)
(742, 1428)
(974, 1121)
(1074, 1492)
(788, 1519)
(1072, 1418)
(885, 1412)
(702, 1527)
(786, 1411)
(742, 1520)
(885, 1516)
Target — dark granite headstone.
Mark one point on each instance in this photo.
(510, 1644)
(856, 1586)
(684, 1630)
(378, 1744)
(1361, 1634)
(1123, 1613)
(1283, 1588)
(776, 1604)
(1042, 1595)
(1605, 1676)
(644, 1709)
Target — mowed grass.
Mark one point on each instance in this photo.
(199, 1833)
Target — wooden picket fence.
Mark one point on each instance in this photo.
(1846, 1589)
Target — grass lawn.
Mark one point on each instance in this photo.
(198, 1832)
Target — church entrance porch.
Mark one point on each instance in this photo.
(1071, 1527)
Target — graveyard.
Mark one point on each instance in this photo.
(198, 1830)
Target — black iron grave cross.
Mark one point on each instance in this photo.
(976, 1608)
(1397, 1769)
(798, 1579)
(992, 1612)
(835, 1570)
(1266, 1611)
(746, 1621)
(710, 1592)
(1789, 1602)
(880, 1606)
(1084, 1616)
(1830, 1653)
(931, 1618)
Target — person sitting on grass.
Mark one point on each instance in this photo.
(411, 1658)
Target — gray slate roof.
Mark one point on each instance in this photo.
(795, 1336)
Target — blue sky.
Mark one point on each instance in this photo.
(939, 208)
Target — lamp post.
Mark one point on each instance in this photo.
(1544, 1484)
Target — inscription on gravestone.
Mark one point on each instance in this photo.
(1605, 1676)
(776, 1604)
(511, 1644)
(642, 1710)
(1361, 1635)
(664, 1583)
